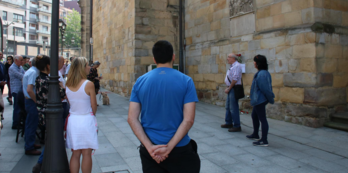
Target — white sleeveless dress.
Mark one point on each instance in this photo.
(81, 131)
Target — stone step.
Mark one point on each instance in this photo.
(340, 118)
(336, 125)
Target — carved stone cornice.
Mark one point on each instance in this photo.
(240, 7)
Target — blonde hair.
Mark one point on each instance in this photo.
(77, 71)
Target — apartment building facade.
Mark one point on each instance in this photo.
(27, 26)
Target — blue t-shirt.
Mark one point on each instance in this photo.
(162, 94)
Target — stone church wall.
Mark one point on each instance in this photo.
(306, 60)
(113, 47)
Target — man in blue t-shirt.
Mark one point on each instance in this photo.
(167, 100)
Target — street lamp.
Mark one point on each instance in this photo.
(55, 158)
(63, 40)
(62, 27)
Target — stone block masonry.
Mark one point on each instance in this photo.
(307, 66)
(125, 32)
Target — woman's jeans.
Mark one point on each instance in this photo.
(259, 115)
(232, 110)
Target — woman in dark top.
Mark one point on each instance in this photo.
(261, 93)
(41, 85)
(93, 76)
(7, 66)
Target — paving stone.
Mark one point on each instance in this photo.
(260, 151)
(322, 164)
(127, 152)
(285, 162)
(204, 148)
(197, 134)
(273, 169)
(209, 167)
(106, 160)
(342, 162)
(323, 154)
(7, 166)
(239, 142)
(240, 167)
(307, 169)
(220, 158)
(231, 150)
(105, 148)
(253, 160)
(134, 163)
(212, 141)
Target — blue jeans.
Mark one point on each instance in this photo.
(41, 156)
(232, 110)
(31, 124)
(16, 111)
(259, 115)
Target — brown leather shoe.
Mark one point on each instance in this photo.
(37, 168)
(32, 152)
(37, 146)
(227, 126)
(237, 129)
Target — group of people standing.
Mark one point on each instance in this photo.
(78, 96)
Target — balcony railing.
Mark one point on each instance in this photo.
(40, 42)
(44, 21)
(34, 6)
(17, 21)
(44, 10)
(43, 32)
(47, 1)
(15, 2)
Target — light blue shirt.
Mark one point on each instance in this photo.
(16, 75)
(29, 79)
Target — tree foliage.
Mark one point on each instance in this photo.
(73, 29)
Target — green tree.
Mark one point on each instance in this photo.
(73, 29)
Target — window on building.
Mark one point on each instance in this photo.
(19, 32)
(44, 38)
(5, 29)
(10, 48)
(32, 37)
(32, 26)
(4, 15)
(32, 16)
(45, 28)
(17, 18)
(45, 18)
(45, 7)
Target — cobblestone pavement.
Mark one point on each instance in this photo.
(293, 148)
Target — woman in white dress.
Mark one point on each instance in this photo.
(81, 128)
